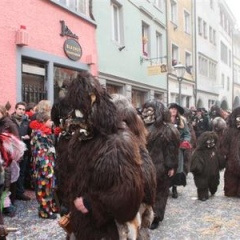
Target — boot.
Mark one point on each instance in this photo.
(155, 223)
(174, 192)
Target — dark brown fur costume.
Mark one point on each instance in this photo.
(206, 164)
(162, 143)
(230, 147)
(129, 115)
(59, 114)
(106, 162)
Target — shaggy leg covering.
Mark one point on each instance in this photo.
(231, 184)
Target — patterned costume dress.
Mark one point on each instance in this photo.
(43, 152)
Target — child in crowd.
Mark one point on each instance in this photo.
(206, 165)
(43, 153)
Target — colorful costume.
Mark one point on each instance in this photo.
(43, 152)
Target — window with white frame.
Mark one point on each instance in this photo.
(228, 83)
(175, 50)
(188, 62)
(203, 65)
(230, 58)
(214, 37)
(187, 22)
(159, 47)
(159, 4)
(224, 53)
(204, 29)
(221, 18)
(212, 70)
(145, 40)
(81, 6)
(211, 4)
(117, 23)
(200, 26)
(238, 78)
(173, 10)
(223, 80)
(210, 34)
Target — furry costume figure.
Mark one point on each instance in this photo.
(106, 161)
(206, 164)
(230, 149)
(144, 218)
(162, 143)
(218, 126)
(217, 111)
(60, 114)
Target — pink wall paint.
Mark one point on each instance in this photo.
(42, 21)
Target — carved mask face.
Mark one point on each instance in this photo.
(238, 121)
(148, 115)
(210, 143)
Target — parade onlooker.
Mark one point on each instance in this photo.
(22, 123)
(43, 153)
(10, 151)
(201, 122)
(30, 109)
(44, 106)
(7, 126)
(179, 179)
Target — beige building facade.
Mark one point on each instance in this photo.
(180, 36)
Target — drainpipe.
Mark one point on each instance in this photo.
(195, 47)
(167, 50)
(233, 80)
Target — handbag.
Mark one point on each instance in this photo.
(64, 222)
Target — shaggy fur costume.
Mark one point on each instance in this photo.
(106, 161)
(230, 149)
(129, 115)
(206, 164)
(162, 143)
(60, 116)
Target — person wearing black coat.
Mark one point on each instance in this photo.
(22, 123)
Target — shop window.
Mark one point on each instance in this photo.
(159, 96)
(62, 77)
(111, 89)
(138, 98)
(33, 81)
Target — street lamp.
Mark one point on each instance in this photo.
(180, 70)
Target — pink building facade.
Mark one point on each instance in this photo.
(43, 43)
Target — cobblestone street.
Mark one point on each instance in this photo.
(185, 218)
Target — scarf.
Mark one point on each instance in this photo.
(36, 125)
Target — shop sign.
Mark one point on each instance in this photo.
(72, 49)
(156, 69)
